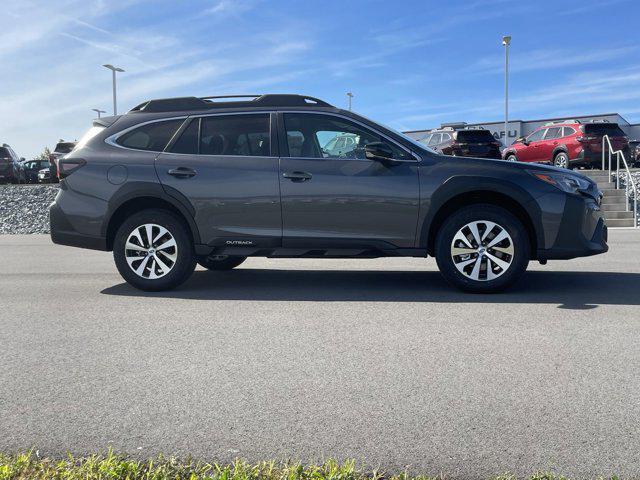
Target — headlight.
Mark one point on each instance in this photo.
(565, 182)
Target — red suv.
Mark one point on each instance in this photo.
(567, 144)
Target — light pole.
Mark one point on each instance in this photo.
(98, 111)
(506, 41)
(113, 72)
(350, 95)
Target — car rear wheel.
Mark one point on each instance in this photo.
(511, 158)
(562, 160)
(482, 248)
(153, 250)
(221, 262)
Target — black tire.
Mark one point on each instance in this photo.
(478, 213)
(511, 158)
(221, 262)
(180, 270)
(561, 160)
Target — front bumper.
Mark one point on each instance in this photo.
(582, 231)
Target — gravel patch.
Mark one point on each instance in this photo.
(624, 183)
(25, 208)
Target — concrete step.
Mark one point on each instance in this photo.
(614, 207)
(614, 194)
(618, 214)
(606, 185)
(617, 222)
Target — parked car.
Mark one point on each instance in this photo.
(10, 168)
(478, 143)
(45, 175)
(31, 169)
(61, 149)
(568, 144)
(179, 181)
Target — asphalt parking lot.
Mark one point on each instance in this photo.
(377, 360)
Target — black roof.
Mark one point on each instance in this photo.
(228, 101)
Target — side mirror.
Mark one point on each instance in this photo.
(378, 151)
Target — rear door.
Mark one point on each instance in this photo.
(6, 163)
(549, 143)
(226, 165)
(344, 200)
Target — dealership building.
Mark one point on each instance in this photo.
(518, 128)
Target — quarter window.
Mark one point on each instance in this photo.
(243, 135)
(323, 136)
(568, 131)
(151, 137)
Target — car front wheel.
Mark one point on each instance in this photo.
(482, 248)
(511, 158)
(153, 250)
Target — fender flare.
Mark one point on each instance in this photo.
(559, 148)
(132, 190)
(461, 185)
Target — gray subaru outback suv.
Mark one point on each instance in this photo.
(214, 180)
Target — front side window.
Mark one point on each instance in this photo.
(242, 135)
(536, 136)
(311, 135)
(151, 137)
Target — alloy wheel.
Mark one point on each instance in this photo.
(482, 250)
(151, 251)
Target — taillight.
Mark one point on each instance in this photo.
(66, 166)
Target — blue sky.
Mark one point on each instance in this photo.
(410, 64)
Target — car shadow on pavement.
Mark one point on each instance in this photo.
(570, 290)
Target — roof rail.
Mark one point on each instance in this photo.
(568, 120)
(218, 101)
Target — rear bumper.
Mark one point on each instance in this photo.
(63, 233)
(582, 232)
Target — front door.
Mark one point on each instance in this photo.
(224, 166)
(337, 197)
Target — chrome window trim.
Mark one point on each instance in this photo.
(111, 139)
(416, 158)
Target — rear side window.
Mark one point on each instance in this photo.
(435, 139)
(553, 132)
(611, 129)
(152, 137)
(568, 131)
(188, 140)
(236, 135)
(474, 136)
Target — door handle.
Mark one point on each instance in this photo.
(297, 176)
(182, 172)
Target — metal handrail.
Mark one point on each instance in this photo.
(606, 141)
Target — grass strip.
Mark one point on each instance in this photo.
(27, 466)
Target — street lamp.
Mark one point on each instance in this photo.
(98, 111)
(506, 41)
(113, 71)
(350, 95)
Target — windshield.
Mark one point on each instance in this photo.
(92, 132)
(417, 144)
